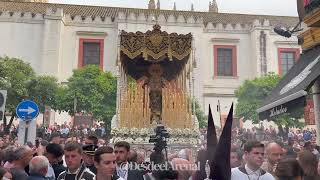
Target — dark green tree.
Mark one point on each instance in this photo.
(43, 90)
(94, 92)
(14, 77)
(202, 118)
(21, 82)
(251, 95)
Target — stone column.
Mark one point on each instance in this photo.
(316, 101)
(52, 43)
(119, 73)
(118, 93)
(255, 47)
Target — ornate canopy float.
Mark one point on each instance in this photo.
(155, 86)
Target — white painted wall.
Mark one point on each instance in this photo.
(276, 42)
(70, 52)
(22, 40)
(50, 44)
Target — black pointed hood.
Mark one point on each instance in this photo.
(212, 139)
(220, 167)
(208, 153)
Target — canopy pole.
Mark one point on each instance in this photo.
(316, 101)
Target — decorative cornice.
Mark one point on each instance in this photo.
(80, 15)
(21, 17)
(229, 40)
(102, 11)
(88, 21)
(286, 42)
(90, 33)
(218, 95)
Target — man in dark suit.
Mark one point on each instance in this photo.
(124, 169)
(54, 153)
(87, 155)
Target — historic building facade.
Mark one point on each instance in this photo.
(227, 48)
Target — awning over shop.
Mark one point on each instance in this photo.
(290, 93)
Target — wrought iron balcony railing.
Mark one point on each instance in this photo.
(312, 13)
(311, 5)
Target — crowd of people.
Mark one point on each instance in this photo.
(86, 154)
(296, 136)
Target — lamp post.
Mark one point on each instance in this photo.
(219, 111)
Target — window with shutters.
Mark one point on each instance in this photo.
(225, 61)
(91, 52)
(286, 59)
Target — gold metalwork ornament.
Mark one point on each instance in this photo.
(135, 103)
(156, 44)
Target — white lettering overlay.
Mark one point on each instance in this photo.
(275, 111)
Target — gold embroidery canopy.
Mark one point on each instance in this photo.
(140, 50)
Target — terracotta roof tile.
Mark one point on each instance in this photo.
(86, 10)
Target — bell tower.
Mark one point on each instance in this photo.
(158, 4)
(213, 6)
(152, 4)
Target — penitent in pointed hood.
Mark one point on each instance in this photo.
(208, 154)
(220, 168)
(212, 139)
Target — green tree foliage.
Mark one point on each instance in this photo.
(251, 95)
(21, 82)
(94, 91)
(43, 90)
(202, 118)
(14, 76)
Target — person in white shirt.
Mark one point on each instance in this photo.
(254, 154)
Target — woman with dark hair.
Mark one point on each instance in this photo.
(289, 169)
(309, 163)
(4, 174)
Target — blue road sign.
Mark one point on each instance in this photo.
(27, 110)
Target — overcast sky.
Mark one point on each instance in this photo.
(268, 7)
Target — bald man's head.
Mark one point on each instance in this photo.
(274, 153)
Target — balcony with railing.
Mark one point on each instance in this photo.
(309, 13)
(312, 13)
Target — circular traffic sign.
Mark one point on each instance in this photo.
(27, 110)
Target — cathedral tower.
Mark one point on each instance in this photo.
(213, 6)
(158, 4)
(152, 4)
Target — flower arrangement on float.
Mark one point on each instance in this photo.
(140, 136)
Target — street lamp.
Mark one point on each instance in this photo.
(219, 111)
